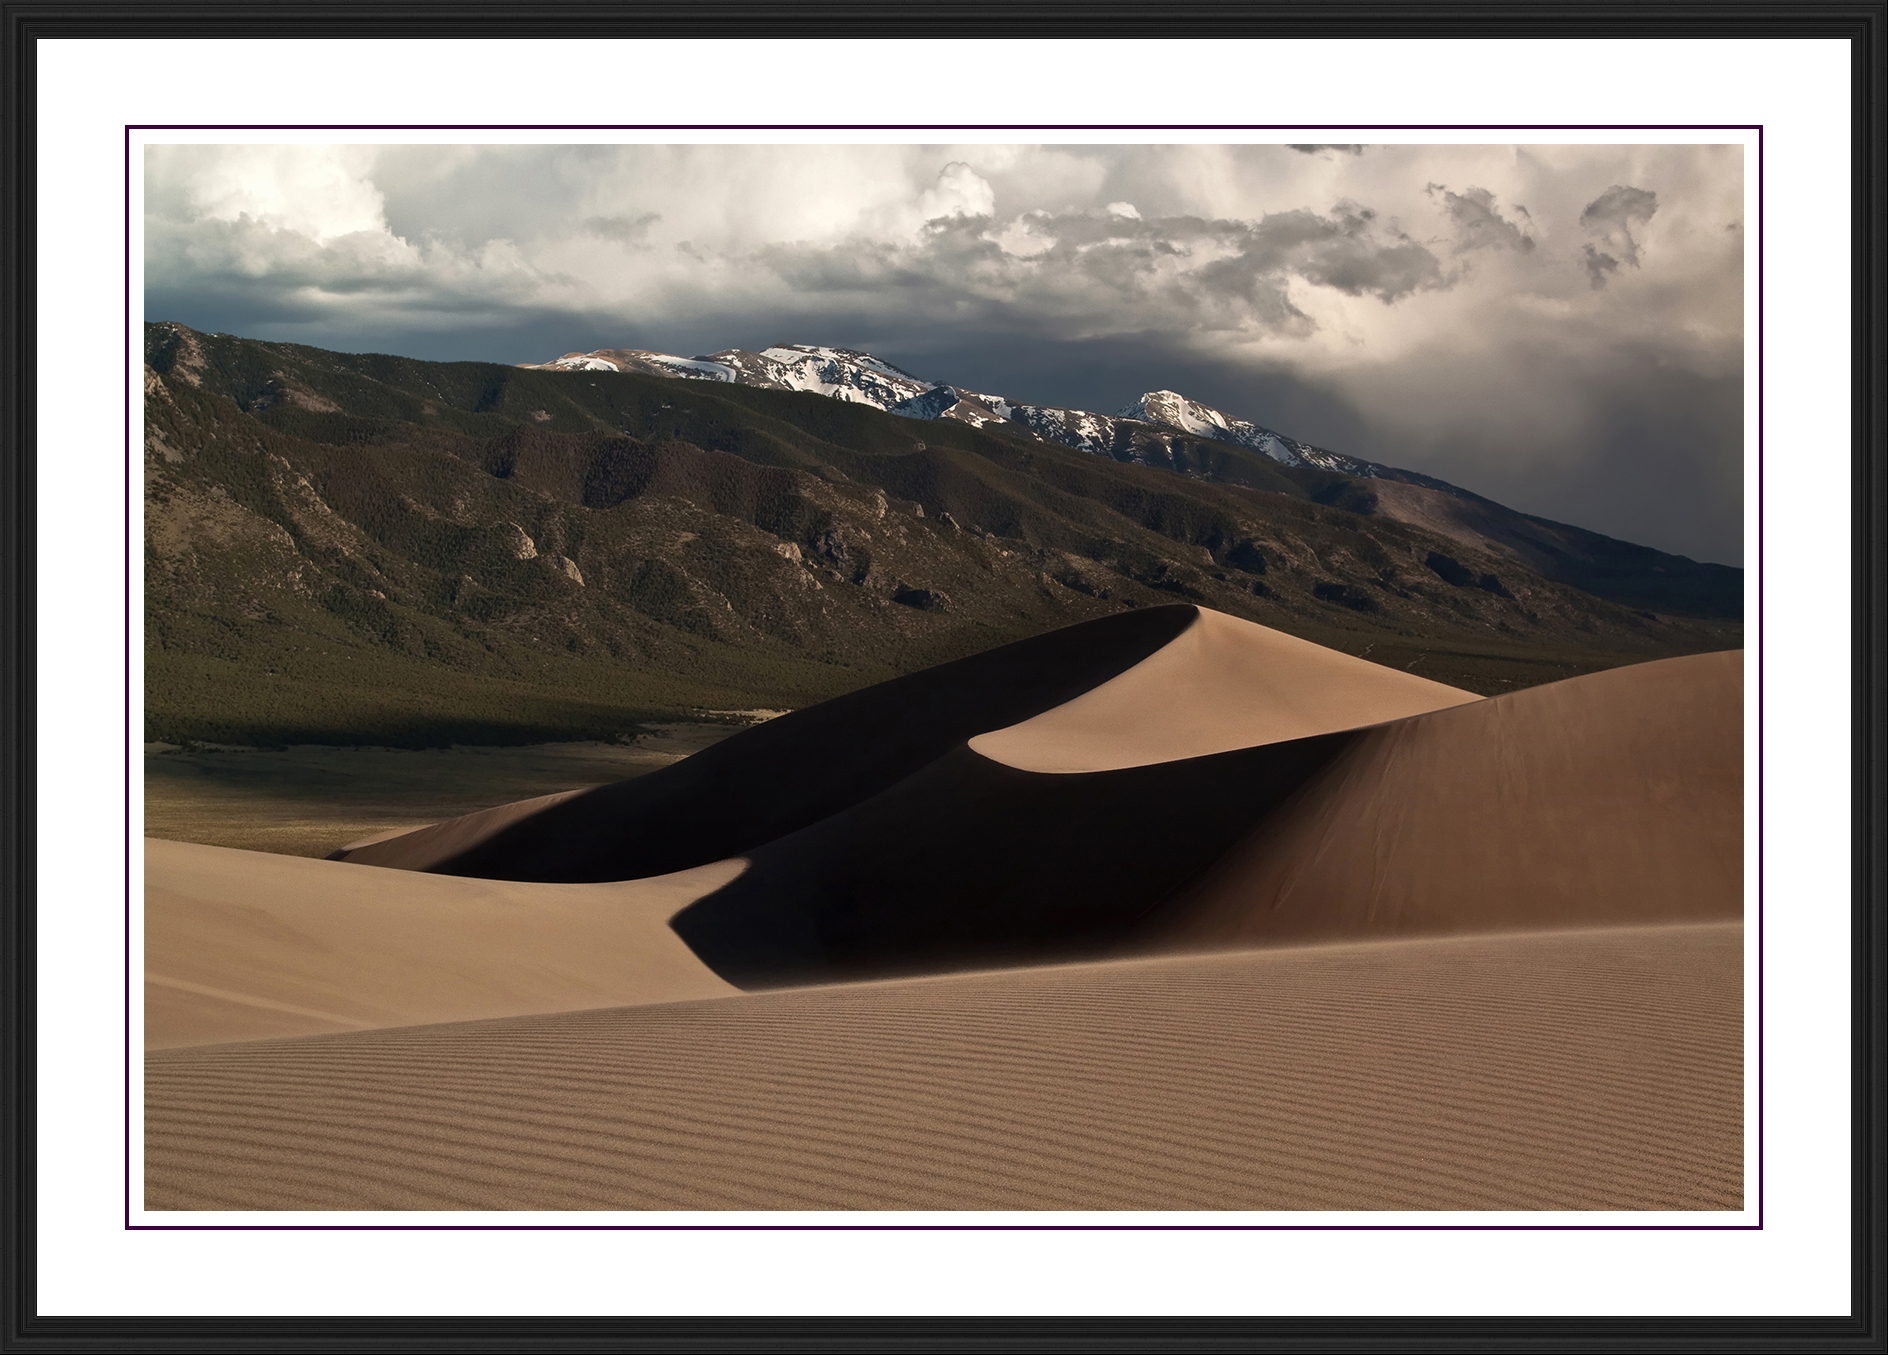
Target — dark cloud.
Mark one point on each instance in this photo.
(1335, 150)
(626, 230)
(1622, 440)
(1612, 215)
(1478, 224)
(1598, 266)
(1350, 250)
(1109, 272)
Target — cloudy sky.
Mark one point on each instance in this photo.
(1557, 327)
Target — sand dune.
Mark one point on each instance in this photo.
(1230, 786)
(971, 862)
(246, 945)
(1616, 797)
(1221, 684)
(442, 841)
(1440, 953)
(1611, 798)
(1152, 686)
(778, 777)
(1552, 1070)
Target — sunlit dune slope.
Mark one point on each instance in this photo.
(1611, 798)
(247, 945)
(1220, 685)
(1548, 1070)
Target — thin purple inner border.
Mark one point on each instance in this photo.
(945, 1227)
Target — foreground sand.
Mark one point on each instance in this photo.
(1548, 1070)
(245, 945)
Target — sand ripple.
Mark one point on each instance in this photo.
(1551, 1070)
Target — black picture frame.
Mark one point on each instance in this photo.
(1863, 25)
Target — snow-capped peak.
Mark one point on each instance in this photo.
(860, 378)
(1176, 411)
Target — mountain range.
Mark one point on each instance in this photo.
(370, 548)
(1144, 431)
(1167, 430)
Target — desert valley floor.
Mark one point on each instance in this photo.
(1165, 911)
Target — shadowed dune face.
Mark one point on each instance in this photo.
(779, 777)
(972, 862)
(1612, 798)
(1220, 685)
(1551, 1070)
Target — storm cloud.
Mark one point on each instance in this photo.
(626, 229)
(1612, 217)
(1570, 357)
(1114, 271)
(1478, 222)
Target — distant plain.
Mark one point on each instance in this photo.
(309, 799)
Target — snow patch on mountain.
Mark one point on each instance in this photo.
(1071, 427)
(696, 367)
(1141, 431)
(584, 362)
(1170, 409)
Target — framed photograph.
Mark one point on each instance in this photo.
(898, 706)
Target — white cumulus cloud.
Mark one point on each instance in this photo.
(960, 191)
(322, 192)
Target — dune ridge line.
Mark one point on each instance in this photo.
(1222, 684)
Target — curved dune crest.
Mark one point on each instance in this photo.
(424, 848)
(247, 945)
(1221, 684)
(779, 777)
(1612, 798)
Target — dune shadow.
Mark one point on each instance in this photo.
(777, 778)
(971, 863)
